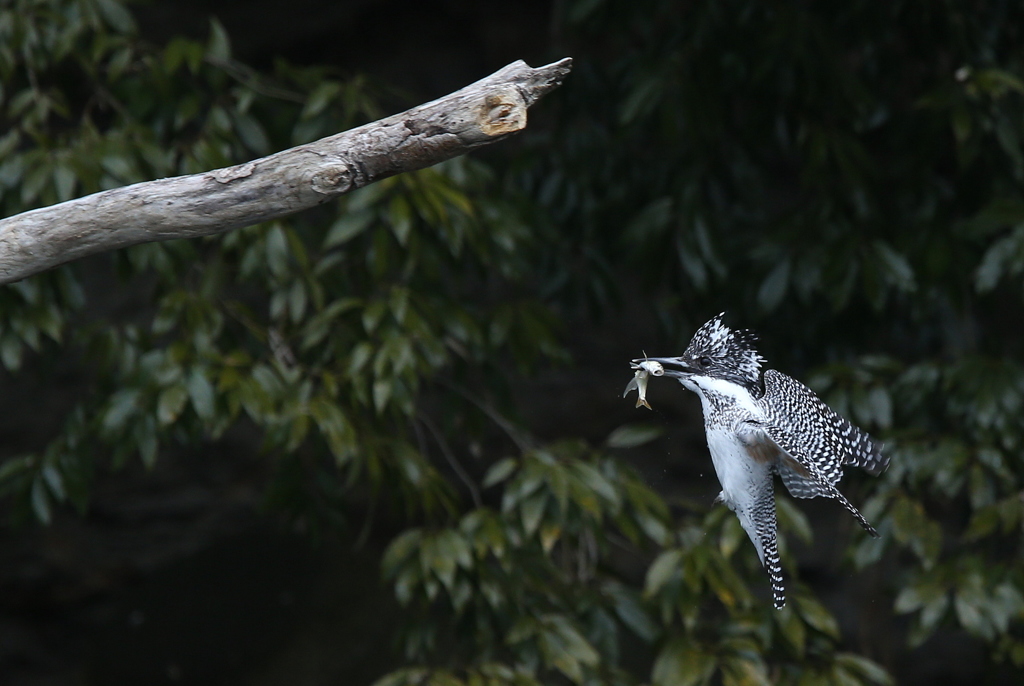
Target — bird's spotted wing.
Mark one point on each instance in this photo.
(799, 484)
(828, 438)
(807, 464)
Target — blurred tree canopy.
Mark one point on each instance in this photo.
(849, 180)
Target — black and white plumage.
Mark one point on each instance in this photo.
(759, 424)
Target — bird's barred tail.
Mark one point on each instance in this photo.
(774, 567)
(767, 535)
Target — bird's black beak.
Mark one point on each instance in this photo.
(674, 366)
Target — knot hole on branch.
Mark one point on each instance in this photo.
(332, 180)
(503, 113)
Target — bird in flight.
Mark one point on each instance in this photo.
(758, 424)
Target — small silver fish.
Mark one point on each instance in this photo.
(642, 371)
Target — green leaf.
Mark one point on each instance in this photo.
(792, 628)
(170, 404)
(41, 502)
(382, 389)
(732, 537)
(8, 144)
(683, 662)
(815, 614)
(909, 599)
(277, 250)
(998, 260)
(317, 328)
(650, 222)
(451, 543)
(913, 527)
(439, 557)
(181, 50)
(793, 518)
(121, 167)
(523, 629)
(400, 217)
(372, 315)
(869, 551)
(122, 406)
(64, 182)
(633, 435)
(662, 570)
(115, 14)
(54, 481)
(565, 648)
(219, 45)
(897, 269)
(721, 576)
(347, 227)
(359, 356)
(971, 614)
(500, 471)
(251, 133)
(631, 612)
(16, 466)
(743, 670)
(863, 667)
(931, 614)
(596, 484)
(443, 678)
(200, 392)
(644, 96)
(531, 511)
(149, 446)
(997, 81)
(320, 98)
(10, 352)
(399, 551)
(410, 676)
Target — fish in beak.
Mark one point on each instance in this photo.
(642, 371)
(676, 367)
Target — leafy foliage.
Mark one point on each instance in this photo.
(321, 339)
(847, 181)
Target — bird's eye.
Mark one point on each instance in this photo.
(705, 361)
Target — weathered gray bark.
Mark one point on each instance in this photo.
(280, 184)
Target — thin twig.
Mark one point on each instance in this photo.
(459, 470)
(508, 427)
(250, 78)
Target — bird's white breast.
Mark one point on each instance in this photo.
(741, 476)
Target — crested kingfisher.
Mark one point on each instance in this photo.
(758, 424)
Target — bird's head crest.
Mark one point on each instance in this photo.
(720, 351)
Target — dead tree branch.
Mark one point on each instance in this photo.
(280, 184)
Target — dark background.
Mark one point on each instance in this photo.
(185, 574)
